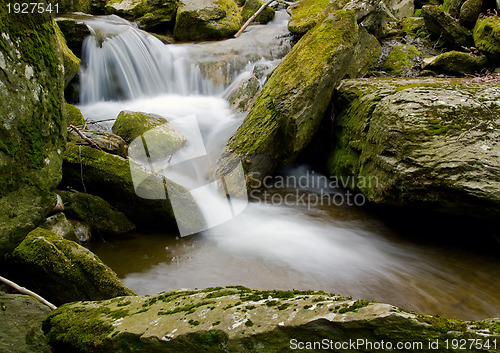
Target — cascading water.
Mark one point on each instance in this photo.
(340, 249)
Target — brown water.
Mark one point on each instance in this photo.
(345, 250)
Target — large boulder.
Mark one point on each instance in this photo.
(70, 60)
(238, 319)
(469, 12)
(61, 270)
(487, 36)
(21, 324)
(421, 142)
(144, 203)
(206, 19)
(147, 13)
(305, 14)
(444, 26)
(252, 6)
(75, 31)
(32, 123)
(291, 105)
(455, 63)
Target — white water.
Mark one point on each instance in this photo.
(265, 246)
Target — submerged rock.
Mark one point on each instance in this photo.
(487, 36)
(292, 103)
(206, 19)
(147, 13)
(444, 26)
(21, 319)
(62, 271)
(251, 7)
(32, 124)
(422, 142)
(455, 62)
(95, 212)
(238, 319)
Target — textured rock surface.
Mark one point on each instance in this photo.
(206, 19)
(401, 59)
(62, 271)
(107, 141)
(290, 107)
(429, 143)
(32, 126)
(21, 324)
(237, 319)
(487, 36)
(305, 14)
(455, 62)
(443, 25)
(148, 13)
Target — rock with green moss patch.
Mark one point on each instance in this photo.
(469, 12)
(71, 62)
(452, 7)
(95, 212)
(238, 319)
(74, 115)
(401, 59)
(455, 62)
(291, 105)
(62, 271)
(60, 226)
(420, 142)
(305, 14)
(75, 31)
(487, 36)
(147, 13)
(444, 26)
(21, 319)
(414, 27)
(75, 6)
(251, 7)
(206, 20)
(32, 122)
(107, 141)
(366, 54)
(143, 200)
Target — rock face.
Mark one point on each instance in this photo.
(32, 125)
(306, 14)
(63, 271)
(292, 103)
(487, 36)
(21, 324)
(74, 32)
(148, 13)
(429, 143)
(206, 19)
(238, 319)
(71, 62)
(109, 176)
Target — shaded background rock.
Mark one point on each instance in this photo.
(251, 7)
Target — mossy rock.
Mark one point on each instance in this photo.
(146, 204)
(401, 59)
(455, 62)
(238, 319)
(149, 14)
(107, 141)
(74, 32)
(366, 54)
(95, 212)
(444, 26)
(32, 122)
(75, 6)
(305, 14)
(291, 105)
(487, 36)
(251, 7)
(74, 115)
(21, 319)
(71, 62)
(469, 12)
(452, 7)
(60, 226)
(198, 20)
(414, 27)
(420, 143)
(63, 271)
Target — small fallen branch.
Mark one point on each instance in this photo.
(247, 23)
(28, 292)
(92, 143)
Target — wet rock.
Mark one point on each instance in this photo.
(401, 60)
(423, 142)
(71, 62)
(32, 123)
(242, 99)
(21, 319)
(142, 199)
(107, 141)
(487, 36)
(238, 319)
(206, 19)
(60, 226)
(305, 14)
(62, 271)
(147, 13)
(444, 26)
(75, 32)
(95, 212)
(290, 107)
(251, 7)
(469, 12)
(455, 62)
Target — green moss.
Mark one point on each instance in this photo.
(486, 36)
(455, 62)
(306, 14)
(70, 60)
(189, 308)
(442, 324)
(249, 323)
(358, 304)
(74, 115)
(251, 6)
(401, 59)
(193, 322)
(414, 27)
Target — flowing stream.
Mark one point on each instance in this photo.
(345, 249)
